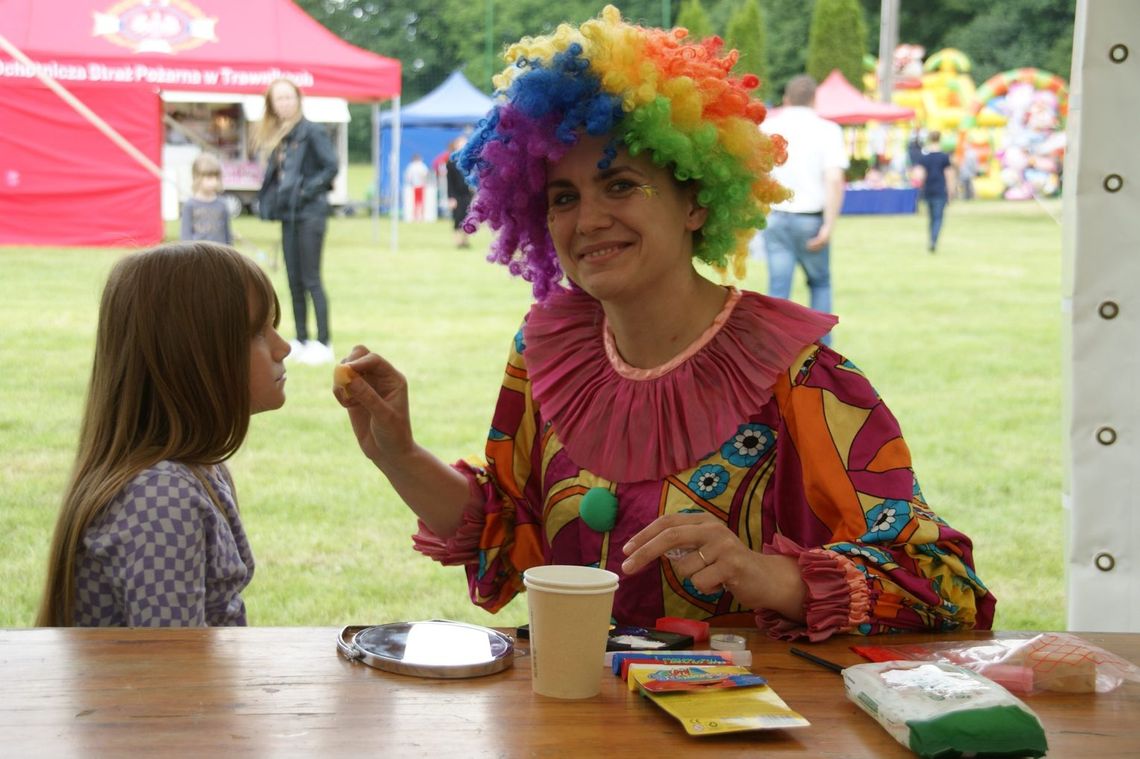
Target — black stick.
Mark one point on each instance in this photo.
(817, 660)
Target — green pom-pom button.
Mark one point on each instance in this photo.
(599, 509)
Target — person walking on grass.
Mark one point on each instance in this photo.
(934, 173)
(799, 229)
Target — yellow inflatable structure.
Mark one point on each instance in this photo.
(944, 94)
(1014, 159)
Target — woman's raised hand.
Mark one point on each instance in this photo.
(376, 399)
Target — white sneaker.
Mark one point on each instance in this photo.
(296, 348)
(316, 353)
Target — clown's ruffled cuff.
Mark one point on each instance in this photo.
(462, 547)
(837, 599)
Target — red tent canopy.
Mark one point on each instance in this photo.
(208, 45)
(836, 100)
(62, 180)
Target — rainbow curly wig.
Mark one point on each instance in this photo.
(653, 90)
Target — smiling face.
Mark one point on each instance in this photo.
(267, 352)
(622, 232)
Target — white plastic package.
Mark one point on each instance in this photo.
(942, 710)
(1024, 665)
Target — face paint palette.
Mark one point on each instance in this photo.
(631, 638)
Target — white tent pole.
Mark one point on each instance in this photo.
(888, 41)
(394, 174)
(1100, 309)
(108, 131)
(375, 172)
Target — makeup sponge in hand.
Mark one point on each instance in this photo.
(342, 375)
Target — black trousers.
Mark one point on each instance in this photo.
(302, 242)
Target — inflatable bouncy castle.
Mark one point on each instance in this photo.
(1008, 133)
(1028, 152)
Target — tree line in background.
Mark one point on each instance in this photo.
(776, 39)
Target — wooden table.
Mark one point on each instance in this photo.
(286, 691)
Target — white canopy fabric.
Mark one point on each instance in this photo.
(319, 109)
(1101, 309)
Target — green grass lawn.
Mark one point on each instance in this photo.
(963, 345)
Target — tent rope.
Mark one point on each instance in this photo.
(82, 109)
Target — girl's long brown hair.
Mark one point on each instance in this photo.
(170, 380)
(272, 128)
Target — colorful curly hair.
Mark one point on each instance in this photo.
(653, 90)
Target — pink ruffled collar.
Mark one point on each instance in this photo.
(630, 425)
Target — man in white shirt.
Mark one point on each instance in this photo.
(799, 229)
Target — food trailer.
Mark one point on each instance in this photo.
(224, 123)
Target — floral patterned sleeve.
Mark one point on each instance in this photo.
(861, 522)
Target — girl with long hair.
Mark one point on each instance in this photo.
(149, 532)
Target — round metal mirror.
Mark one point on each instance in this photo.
(433, 648)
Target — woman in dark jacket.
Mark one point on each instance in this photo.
(299, 173)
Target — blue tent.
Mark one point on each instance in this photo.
(429, 124)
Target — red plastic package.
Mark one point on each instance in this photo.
(698, 629)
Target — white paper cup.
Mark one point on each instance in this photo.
(570, 610)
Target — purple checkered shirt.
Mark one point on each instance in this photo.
(161, 555)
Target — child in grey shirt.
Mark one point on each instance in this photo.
(205, 215)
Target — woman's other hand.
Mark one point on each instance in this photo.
(711, 556)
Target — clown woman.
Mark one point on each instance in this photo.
(694, 438)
